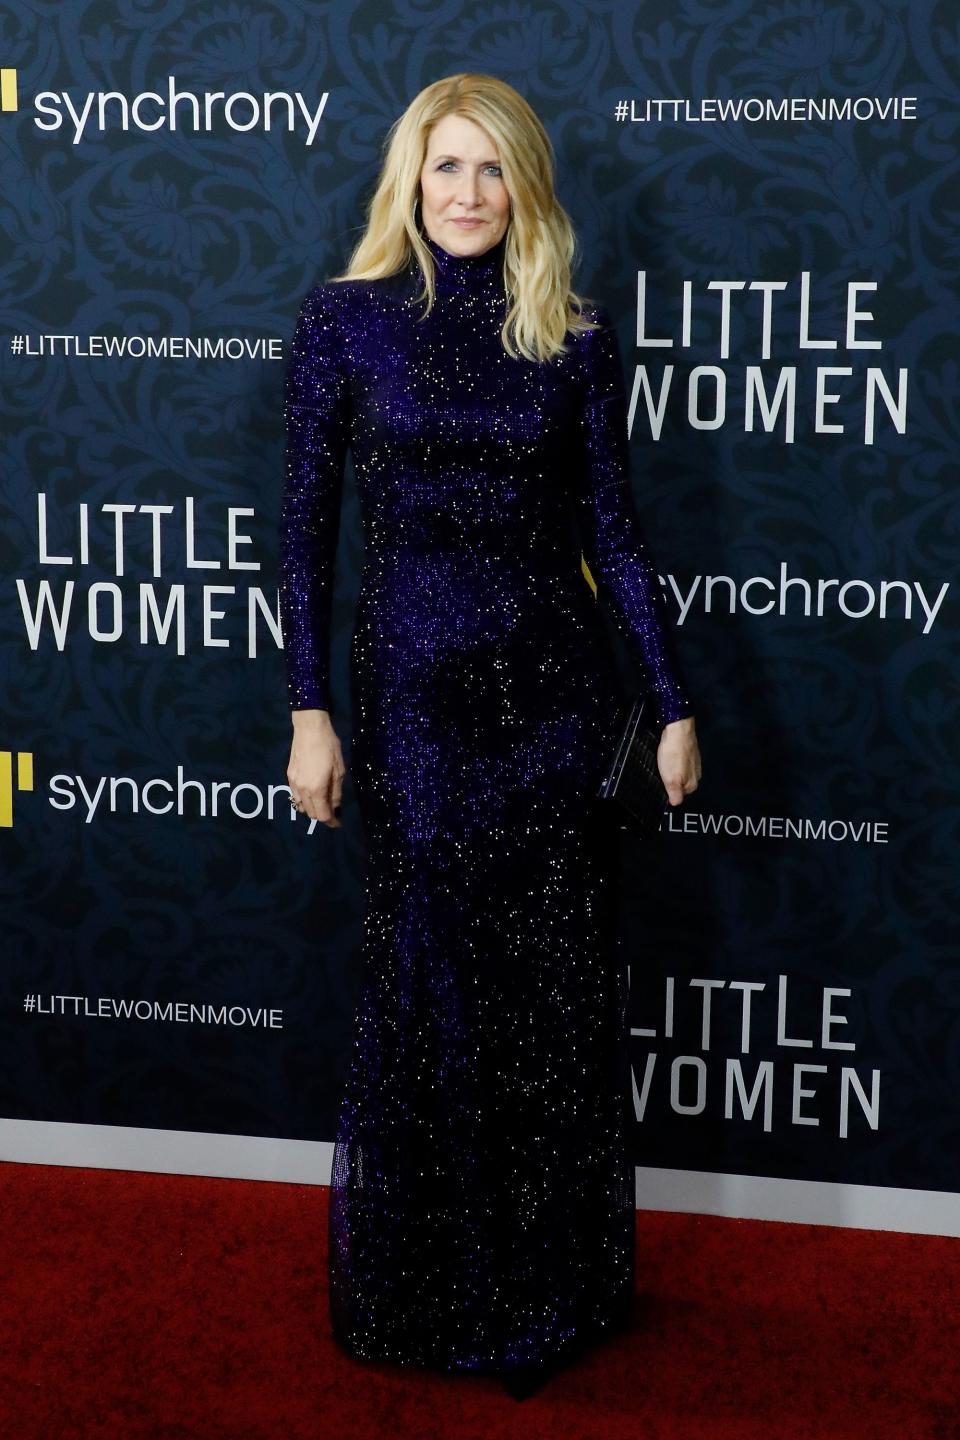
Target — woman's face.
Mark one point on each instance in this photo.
(464, 202)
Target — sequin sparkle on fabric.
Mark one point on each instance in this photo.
(482, 1194)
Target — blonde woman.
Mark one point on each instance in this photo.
(482, 1194)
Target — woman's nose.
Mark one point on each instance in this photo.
(468, 189)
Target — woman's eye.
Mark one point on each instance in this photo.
(495, 168)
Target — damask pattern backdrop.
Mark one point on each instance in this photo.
(766, 197)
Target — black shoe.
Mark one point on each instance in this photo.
(522, 1380)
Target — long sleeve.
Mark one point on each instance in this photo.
(317, 427)
(609, 526)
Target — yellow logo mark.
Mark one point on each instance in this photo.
(8, 89)
(24, 781)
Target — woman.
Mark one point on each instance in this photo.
(482, 1195)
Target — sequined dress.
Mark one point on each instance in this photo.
(482, 1192)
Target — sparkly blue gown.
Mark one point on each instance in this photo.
(482, 1192)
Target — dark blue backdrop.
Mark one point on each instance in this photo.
(190, 948)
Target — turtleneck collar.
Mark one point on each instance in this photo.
(467, 272)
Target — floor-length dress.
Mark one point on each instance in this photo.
(482, 1193)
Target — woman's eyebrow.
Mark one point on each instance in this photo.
(457, 158)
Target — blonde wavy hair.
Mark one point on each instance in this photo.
(540, 241)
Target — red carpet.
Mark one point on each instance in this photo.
(194, 1309)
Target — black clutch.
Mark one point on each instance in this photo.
(632, 786)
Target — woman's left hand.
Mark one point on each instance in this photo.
(678, 759)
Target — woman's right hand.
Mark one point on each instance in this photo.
(316, 769)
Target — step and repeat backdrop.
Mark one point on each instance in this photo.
(766, 197)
